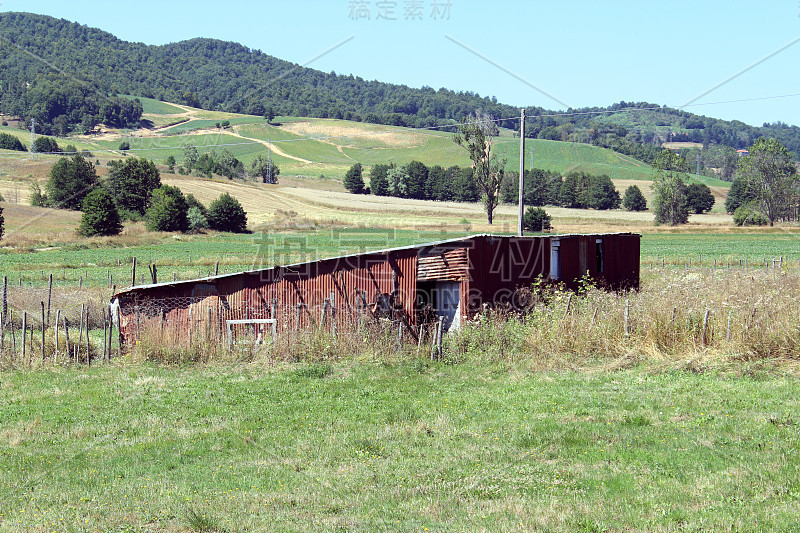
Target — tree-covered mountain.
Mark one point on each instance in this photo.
(67, 76)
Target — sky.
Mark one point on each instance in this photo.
(727, 59)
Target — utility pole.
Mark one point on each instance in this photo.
(33, 135)
(698, 166)
(269, 160)
(520, 230)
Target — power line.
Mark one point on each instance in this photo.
(418, 130)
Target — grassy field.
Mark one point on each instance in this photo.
(326, 146)
(397, 446)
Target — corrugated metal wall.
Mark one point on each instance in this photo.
(501, 265)
(297, 298)
(489, 269)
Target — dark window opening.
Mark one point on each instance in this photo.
(599, 255)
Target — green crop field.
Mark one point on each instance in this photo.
(396, 446)
(156, 107)
(193, 256)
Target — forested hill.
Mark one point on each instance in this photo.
(88, 67)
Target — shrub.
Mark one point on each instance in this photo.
(634, 199)
(536, 219)
(746, 216)
(197, 220)
(168, 210)
(100, 216)
(46, 145)
(9, 142)
(37, 198)
(227, 214)
(125, 145)
(699, 198)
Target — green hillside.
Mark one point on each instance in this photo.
(313, 146)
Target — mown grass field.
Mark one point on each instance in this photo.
(397, 446)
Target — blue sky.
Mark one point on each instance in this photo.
(550, 54)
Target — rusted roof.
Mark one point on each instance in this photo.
(457, 240)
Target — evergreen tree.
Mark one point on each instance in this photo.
(439, 187)
(634, 200)
(378, 180)
(536, 219)
(738, 195)
(417, 179)
(353, 180)
(602, 193)
(100, 216)
(45, 145)
(9, 142)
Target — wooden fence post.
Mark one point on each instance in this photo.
(49, 296)
(439, 338)
(44, 324)
(325, 305)
(66, 337)
(705, 326)
(88, 358)
(627, 316)
(80, 337)
(728, 333)
(333, 315)
(133, 273)
(55, 350)
(24, 329)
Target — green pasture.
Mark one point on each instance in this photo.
(396, 446)
(193, 256)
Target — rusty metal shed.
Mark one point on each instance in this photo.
(452, 279)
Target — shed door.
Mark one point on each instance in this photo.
(448, 304)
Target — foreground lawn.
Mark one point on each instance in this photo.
(397, 447)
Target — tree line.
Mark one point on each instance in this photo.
(131, 190)
(766, 188)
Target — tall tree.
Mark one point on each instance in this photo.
(131, 181)
(476, 133)
(417, 179)
(100, 216)
(669, 189)
(70, 181)
(771, 176)
(353, 180)
(398, 182)
(168, 210)
(378, 180)
(190, 157)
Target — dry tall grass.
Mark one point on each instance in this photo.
(688, 319)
